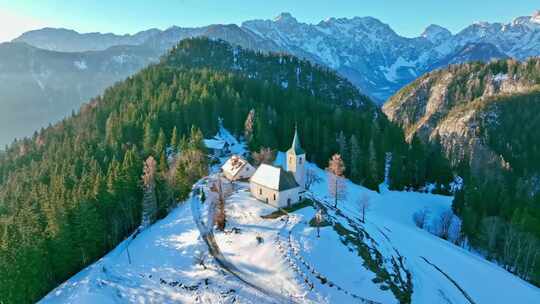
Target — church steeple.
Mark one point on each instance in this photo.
(296, 158)
(296, 148)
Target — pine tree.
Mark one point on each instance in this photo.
(373, 165)
(356, 159)
(343, 148)
(174, 139)
(159, 147)
(148, 139)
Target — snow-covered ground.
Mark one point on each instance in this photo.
(262, 260)
(163, 269)
(275, 261)
(389, 221)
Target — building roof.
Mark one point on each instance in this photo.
(295, 147)
(234, 164)
(274, 178)
(214, 144)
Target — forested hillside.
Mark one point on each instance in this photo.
(501, 207)
(73, 191)
(485, 118)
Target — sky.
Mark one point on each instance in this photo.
(407, 18)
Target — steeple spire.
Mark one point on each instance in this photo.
(296, 148)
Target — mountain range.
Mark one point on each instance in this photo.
(370, 53)
(363, 49)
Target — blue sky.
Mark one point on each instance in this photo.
(408, 18)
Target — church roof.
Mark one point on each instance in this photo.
(295, 147)
(274, 178)
(234, 164)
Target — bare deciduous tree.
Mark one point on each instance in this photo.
(149, 205)
(248, 125)
(199, 259)
(445, 224)
(312, 178)
(219, 212)
(531, 255)
(490, 227)
(364, 204)
(420, 218)
(336, 181)
(510, 237)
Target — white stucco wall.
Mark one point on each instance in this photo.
(246, 172)
(296, 165)
(292, 194)
(273, 197)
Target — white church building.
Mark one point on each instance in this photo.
(281, 187)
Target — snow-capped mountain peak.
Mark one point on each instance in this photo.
(436, 33)
(531, 22)
(285, 18)
(536, 17)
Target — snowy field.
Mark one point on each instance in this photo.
(275, 262)
(258, 258)
(390, 222)
(163, 269)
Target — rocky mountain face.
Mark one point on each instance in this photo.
(363, 49)
(379, 61)
(39, 86)
(470, 52)
(454, 107)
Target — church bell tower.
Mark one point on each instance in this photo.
(296, 160)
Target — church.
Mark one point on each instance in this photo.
(281, 187)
